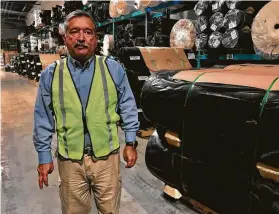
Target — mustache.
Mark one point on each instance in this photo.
(77, 44)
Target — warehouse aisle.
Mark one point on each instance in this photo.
(141, 192)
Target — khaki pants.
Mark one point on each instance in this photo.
(79, 179)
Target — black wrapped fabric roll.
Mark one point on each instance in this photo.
(101, 12)
(57, 14)
(234, 4)
(218, 6)
(236, 18)
(46, 17)
(201, 41)
(70, 6)
(201, 24)
(201, 7)
(161, 25)
(235, 38)
(230, 38)
(216, 21)
(215, 40)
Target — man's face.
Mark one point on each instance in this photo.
(80, 38)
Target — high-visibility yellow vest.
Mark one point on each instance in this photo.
(99, 118)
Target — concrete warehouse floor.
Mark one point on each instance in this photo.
(142, 193)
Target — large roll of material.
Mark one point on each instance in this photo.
(218, 6)
(216, 21)
(215, 40)
(108, 44)
(237, 18)
(113, 9)
(201, 41)
(265, 31)
(183, 34)
(125, 7)
(201, 7)
(201, 24)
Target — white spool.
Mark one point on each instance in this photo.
(108, 44)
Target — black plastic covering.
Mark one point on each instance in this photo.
(222, 137)
(201, 24)
(215, 40)
(216, 21)
(201, 41)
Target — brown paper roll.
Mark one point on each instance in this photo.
(265, 30)
(183, 34)
(227, 77)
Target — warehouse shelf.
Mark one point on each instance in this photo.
(235, 56)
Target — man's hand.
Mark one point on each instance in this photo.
(43, 171)
(130, 155)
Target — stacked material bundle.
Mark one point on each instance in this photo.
(227, 121)
(99, 11)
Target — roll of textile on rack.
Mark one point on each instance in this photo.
(234, 38)
(201, 41)
(216, 21)
(202, 8)
(101, 12)
(139, 4)
(183, 34)
(140, 42)
(215, 40)
(125, 7)
(108, 43)
(253, 7)
(113, 9)
(201, 24)
(237, 18)
(265, 31)
(218, 6)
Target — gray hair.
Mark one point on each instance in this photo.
(77, 13)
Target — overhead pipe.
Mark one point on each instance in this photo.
(22, 10)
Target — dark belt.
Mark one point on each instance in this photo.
(88, 151)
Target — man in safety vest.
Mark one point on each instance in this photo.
(83, 97)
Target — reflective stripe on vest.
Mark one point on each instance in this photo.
(99, 118)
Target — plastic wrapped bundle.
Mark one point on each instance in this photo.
(201, 41)
(108, 43)
(218, 6)
(133, 31)
(201, 7)
(216, 21)
(236, 18)
(183, 34)
(265, 33)
(215, 40)
(70, 6)
(201, 24)
(219, 119)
